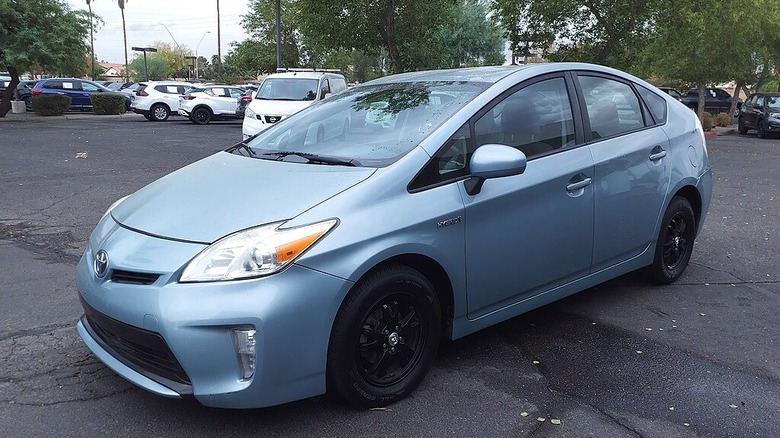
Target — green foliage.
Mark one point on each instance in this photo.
(108, 103)
(707, 122)
(473, 39)
(608, 32)
(722, 119)
(156, 66)
(50, 104)
(407, 31)
(44, 35)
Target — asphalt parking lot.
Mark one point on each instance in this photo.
(700, 357)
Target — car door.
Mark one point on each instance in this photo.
(221, 101)
(87, 90)
(632, 173)
(72, 89)
(529, 233)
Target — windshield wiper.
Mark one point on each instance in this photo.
(242, 146)
(313, 158)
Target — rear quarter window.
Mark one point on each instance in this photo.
(655, 103)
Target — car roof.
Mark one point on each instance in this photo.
(313, 74)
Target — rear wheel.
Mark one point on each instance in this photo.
(675, 242)
(385, 337)
(160, 112)
(201, 116)
(149, 117)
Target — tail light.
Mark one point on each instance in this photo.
(188, 97)
(36, 92)
(141, 93)
(246, 98)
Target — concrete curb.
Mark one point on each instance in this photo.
(31, 117)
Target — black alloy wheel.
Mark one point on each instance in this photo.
(761, 132)
(675, 242)
(201, 116)
(385, 337)
(741, 128)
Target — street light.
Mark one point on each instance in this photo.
(144, 49)
(196, 53)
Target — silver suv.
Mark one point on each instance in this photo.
(157, 100)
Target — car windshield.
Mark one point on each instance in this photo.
(371, 125)
(773, 102)
(288, 89)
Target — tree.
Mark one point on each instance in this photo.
(474, 39)
(703, 42)
(155, 65)
(124, 34)
(25, 21)
(407, 30)
(608, 32)
(258, 54)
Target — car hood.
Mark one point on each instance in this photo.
(225, 193)
(278, 107)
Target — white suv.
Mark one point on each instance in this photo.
(213, 102)
(286, 93)
(157, 100)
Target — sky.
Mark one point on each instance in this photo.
(187, 22)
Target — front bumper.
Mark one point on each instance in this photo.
(175, 340)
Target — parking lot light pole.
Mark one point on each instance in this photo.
(196, 53)
(145, 49)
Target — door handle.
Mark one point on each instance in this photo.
(657, 155)
(573, 187)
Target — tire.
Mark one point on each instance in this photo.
(675, 243)
(760, 132)
(159, 112)
(149, 117)
(384, 338)
(201, 116)
(741, 128)
(27, 104)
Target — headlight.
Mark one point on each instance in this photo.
(250, 114)
(774, 116)
(254, 252)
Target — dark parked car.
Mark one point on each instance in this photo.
(762, 113)
(243, 102)
(79, 91)
(716, 99)
(23, 92)
(672, 92)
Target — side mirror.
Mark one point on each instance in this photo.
(493, 161)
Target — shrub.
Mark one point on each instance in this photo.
(50, 104)
(706, 121)
(107, 103)
(722, 119)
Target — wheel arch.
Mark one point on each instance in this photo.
(692, 195)
(435, 273)
(203, 105)
(151, 108)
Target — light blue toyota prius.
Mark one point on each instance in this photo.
(336, 249)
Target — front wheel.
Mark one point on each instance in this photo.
(742, 129)
(675, 242)
(384, 338)
(760, 131)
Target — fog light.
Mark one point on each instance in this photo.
(244, 342)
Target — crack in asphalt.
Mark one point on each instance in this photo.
(53, 246)
(54, 369)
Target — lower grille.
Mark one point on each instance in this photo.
(142, 350)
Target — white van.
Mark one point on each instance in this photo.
(287, 92)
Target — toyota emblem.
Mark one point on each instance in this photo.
(101, 263)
